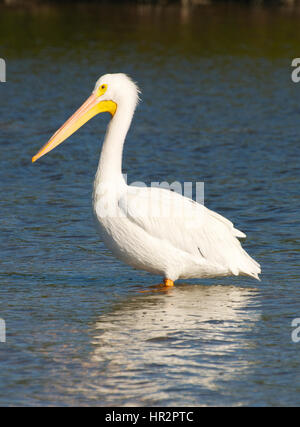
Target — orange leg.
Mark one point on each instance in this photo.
(168, 282)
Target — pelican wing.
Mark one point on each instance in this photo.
(188, 226)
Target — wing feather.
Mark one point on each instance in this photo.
(188, 226)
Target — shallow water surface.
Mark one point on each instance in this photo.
(218, 105)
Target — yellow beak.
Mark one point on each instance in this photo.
(89, 109)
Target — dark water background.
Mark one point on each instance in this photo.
(218, 106)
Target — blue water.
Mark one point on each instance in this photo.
(218, 108)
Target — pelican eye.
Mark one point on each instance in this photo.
(101, 89)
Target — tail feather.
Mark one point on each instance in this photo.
(238, 233)
(250, 267)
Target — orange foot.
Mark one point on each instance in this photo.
(166, 286)
(168, 282)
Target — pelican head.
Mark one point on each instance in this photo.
(111, 92)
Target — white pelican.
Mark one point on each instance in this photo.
(151, 229)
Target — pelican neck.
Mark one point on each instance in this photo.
(110, 163)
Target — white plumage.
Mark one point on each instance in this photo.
(152, 229)
(155, 229)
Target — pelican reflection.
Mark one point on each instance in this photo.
(186, 340)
